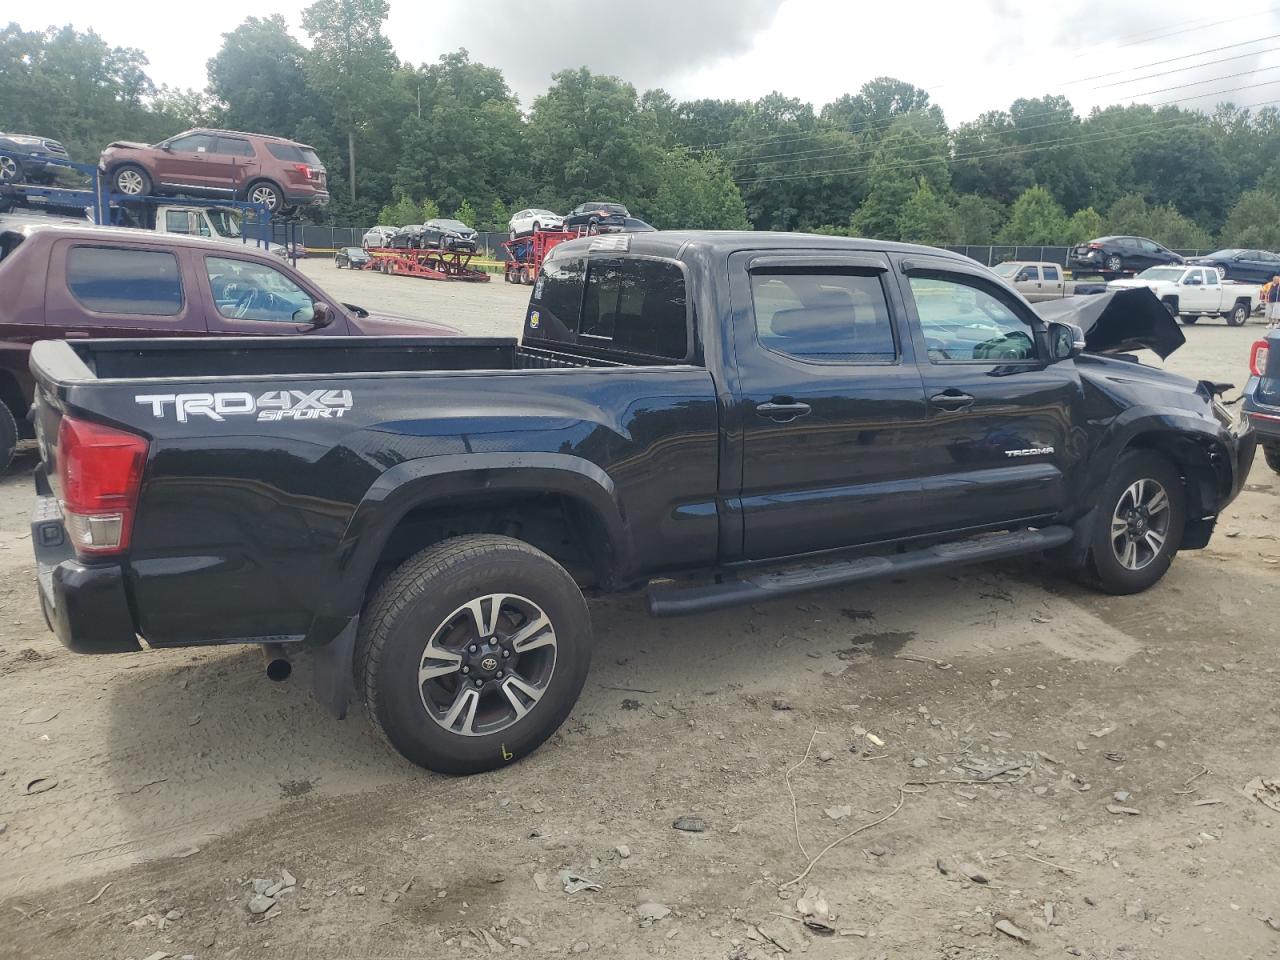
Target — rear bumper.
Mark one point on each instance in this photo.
(86, 605)
(1263, 417)
(312, 198)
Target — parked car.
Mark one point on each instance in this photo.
(83, 281)
(378, 237)
(26, 158)
(1116, 255)
(1193, 292)
(408, 237)
(222, 163)
(1261, 409)
(534, 219)
(449, 236)
(1251, 266)
(424, 522)
(353, 258)
(1037, 280)
(628, 225)
(596, 213)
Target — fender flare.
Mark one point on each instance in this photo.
(419, 482)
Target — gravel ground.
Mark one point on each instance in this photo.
(181, 777)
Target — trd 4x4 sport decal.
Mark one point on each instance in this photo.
(272, 405)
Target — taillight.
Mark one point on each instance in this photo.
(1258, 357)
(303, 169)
(1095, 246)
(100, 469)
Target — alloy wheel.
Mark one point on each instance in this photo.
(1140, 524)
(487, 665)
(8, 169)
(266, 196)
(129, 182)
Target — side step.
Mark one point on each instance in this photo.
(670, 600)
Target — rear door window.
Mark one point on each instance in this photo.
(1051, 273)
(823, 316)
(637, 306)
(234, 147)
(121, 281)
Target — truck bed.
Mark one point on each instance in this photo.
(300, 356)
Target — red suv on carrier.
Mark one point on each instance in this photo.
(218, 163)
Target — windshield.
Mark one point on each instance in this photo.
(353, 252)
(225, 223)
(1006, 269)
(451, 225)
(1172, 274)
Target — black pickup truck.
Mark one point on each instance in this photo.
(725, 417)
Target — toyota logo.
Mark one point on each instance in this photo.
(489, 664)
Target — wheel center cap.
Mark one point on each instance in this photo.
(489, 664)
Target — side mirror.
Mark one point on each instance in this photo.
(1066, 341)
(317, 315)
(1022, 277)
(167, 147)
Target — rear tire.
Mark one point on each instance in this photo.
(448, 618)
(1271, 451)
(1140, 518)
(266, 193)
(1239, 315)
(1114, 264)
(11, 170)
(8, 437)
(1189, 319)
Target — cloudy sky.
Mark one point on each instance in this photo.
(971, 56)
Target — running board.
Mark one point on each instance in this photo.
(670, 600)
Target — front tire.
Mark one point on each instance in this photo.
(10, 170)
(472, 653)
(1189, 319)
(1139, 523)
(131, 180)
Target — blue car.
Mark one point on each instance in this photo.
(1262, 396)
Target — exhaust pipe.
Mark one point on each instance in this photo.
(279, 666)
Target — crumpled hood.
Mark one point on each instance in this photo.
(1118, 321)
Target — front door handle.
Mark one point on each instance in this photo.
(952, 400)
(781, 410)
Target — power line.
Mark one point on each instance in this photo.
(888, 141)
(1193, 66)
(1160, 63)
(993, 153)
(1196, 83)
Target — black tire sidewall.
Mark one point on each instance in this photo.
(397, 701)
(8, 437)
(1270, 452)
(1137, 464)
(1231, 316)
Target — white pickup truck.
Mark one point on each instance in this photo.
(1190, 293)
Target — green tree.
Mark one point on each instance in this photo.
(397, 214)
(466, 213)
(350, 62)
(695, 193)
(499, 217)
(259, 75)
(1035, 218)
(928, 218)
(1085, 224)
(1132, 215)
(914, 150)
(979, 218)
(1254, 221)
(429, 210)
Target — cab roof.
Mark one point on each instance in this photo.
(675, 243)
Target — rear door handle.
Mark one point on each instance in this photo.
(952, 400)
(782, 410)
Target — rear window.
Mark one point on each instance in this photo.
(113, 280)
(618, 303)
(287, 152)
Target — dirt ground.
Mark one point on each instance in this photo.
(1126, 729)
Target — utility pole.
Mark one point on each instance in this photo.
(351, 159)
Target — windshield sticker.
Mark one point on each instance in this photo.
(269, 406)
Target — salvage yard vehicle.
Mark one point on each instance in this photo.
(272, 171)
(1113, 256)
(1261, 408)
(378, 236)
(596, 213)
(1251, 266)
(25, 157)
(1038, 280)
(81, 281)
(353, 258)
(1193, 292)
(533, 220)
(449, 235)
(726, 417)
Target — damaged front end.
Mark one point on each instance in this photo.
(1118, 321)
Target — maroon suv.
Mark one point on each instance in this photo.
(218, 163)
(73, 282)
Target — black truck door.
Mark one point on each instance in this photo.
(829, 401)
(1003, 439)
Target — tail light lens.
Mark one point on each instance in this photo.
(100, 469)
(1258, 357)
(303, 169)
(1095, 246)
